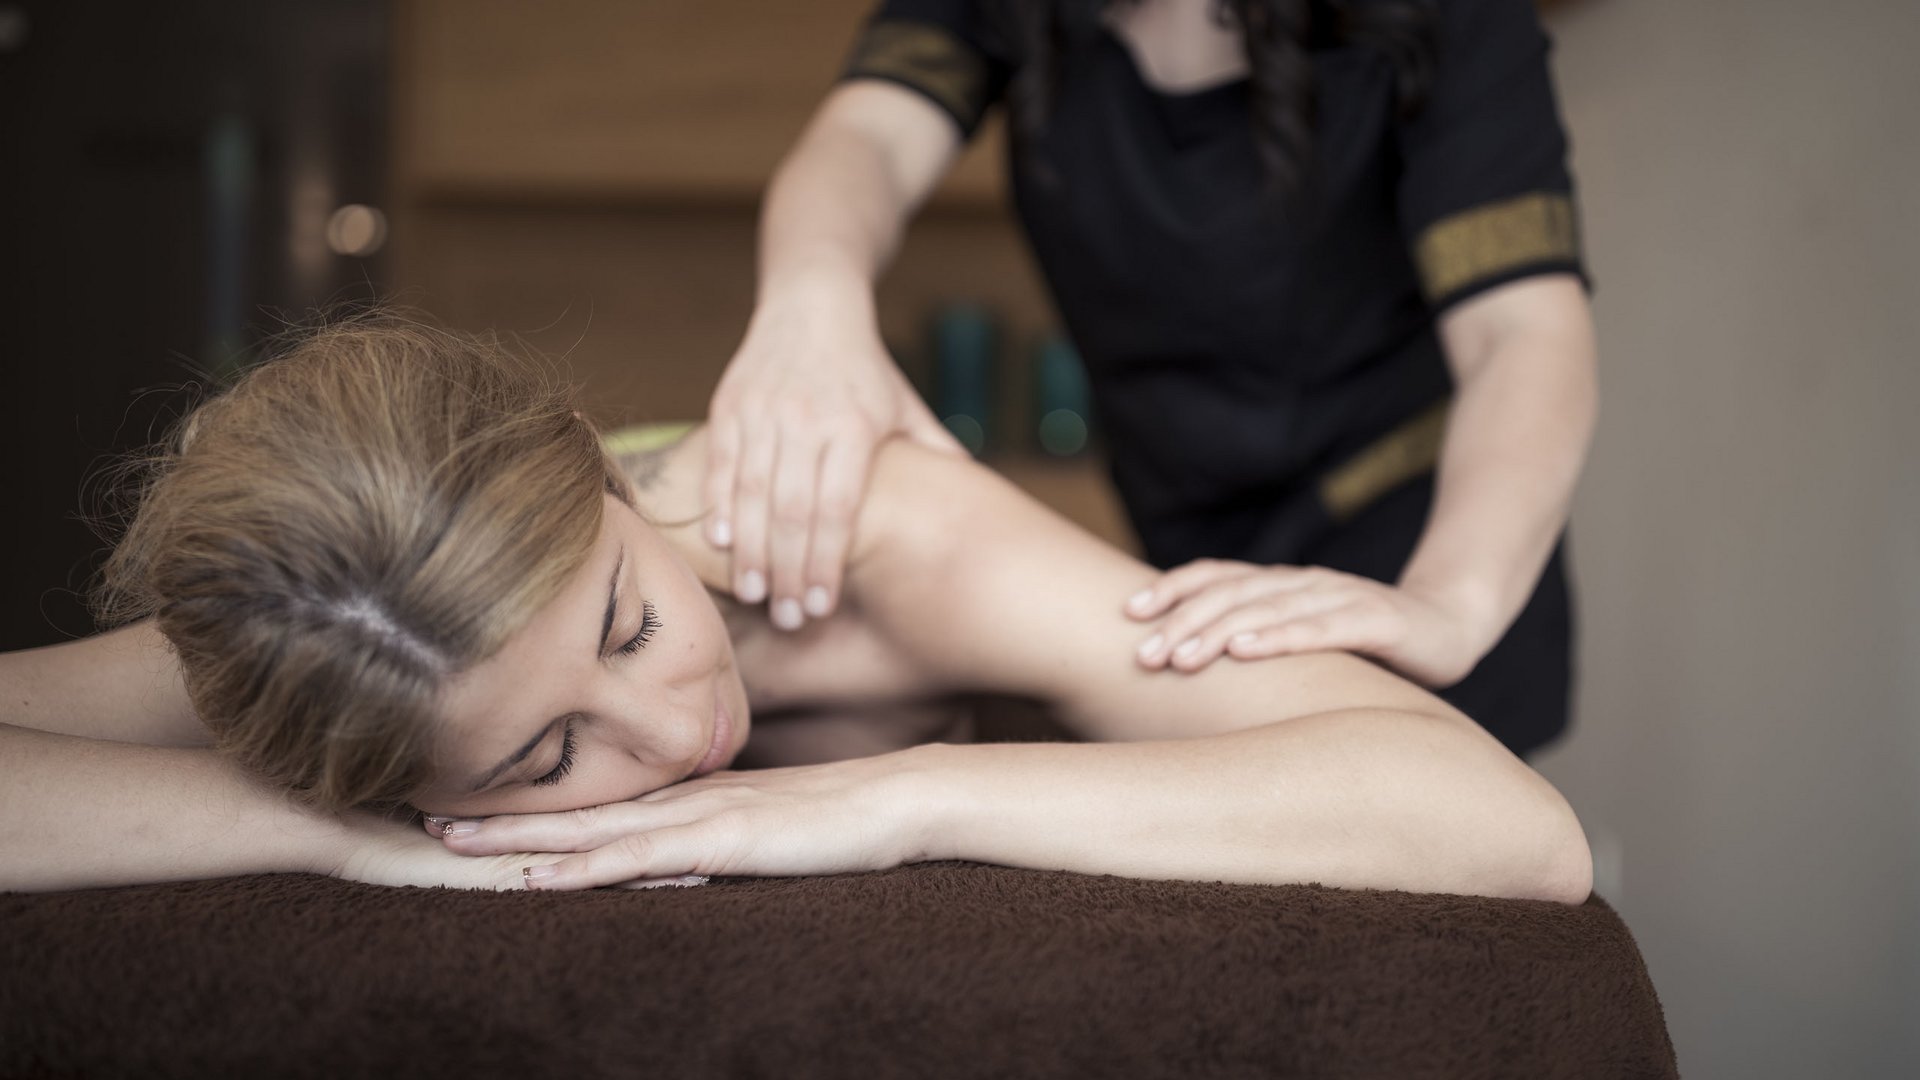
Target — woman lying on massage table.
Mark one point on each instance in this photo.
(395, 568)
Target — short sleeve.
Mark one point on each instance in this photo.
(1485, 195)
(949, 51)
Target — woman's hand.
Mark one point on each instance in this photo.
(794, 423)
(845, 816)
(1210, 608)
(380, 850)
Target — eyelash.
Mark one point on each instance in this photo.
(649, 625)
(565, 765)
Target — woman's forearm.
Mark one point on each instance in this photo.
(1356, 799)
(1516, 440)
(81, 813)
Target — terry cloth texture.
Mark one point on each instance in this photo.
(937, 970)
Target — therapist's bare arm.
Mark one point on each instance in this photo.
(811, 389)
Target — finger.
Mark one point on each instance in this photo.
(723, 457)
(795, 479)
(1210, 642)
(1334, 629)
(661, 853)
(1198, 610)
(436, 826)
(751, 488)
(570, 830)
(843, 481)
(1177, 584)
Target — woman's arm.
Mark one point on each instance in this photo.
(1311, 768)
(1320, 767)
(104, 780)
(123, 685)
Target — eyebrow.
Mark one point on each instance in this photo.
(606, 632)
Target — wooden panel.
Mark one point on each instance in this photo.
(602, 101)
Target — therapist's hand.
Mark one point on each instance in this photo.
(1211, 608)
(793, 427)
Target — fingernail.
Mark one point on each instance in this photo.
(1187, 648)
(720, 533)
(753, 587)
(1151, 647)
(532, 876)
(819, 601)
(1140, 600)
(684, 882)
(460, 828)
(1245, 641)
(437, 822)
(786, 614)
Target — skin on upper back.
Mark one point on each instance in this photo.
(958, 582)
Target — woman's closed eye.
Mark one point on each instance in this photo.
(649, 625)
(564, 765)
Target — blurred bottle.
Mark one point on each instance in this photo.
(1062, 401)
(965, 342)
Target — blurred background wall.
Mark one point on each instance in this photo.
(585, 174)
(1747, 539)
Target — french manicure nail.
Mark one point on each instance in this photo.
(1151, 646)
(437, 822)
(460, 828)
(786, 614)
(818, 601)
(720, 533)
(753, 587)
(1187, 648)
(1245, 641)
(532, 876)
(1140, 600)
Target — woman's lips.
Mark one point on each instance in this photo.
(722, 739)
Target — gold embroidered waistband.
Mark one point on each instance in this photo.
(1389, 461)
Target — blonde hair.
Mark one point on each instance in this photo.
(349, 526)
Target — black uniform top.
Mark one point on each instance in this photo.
(1243, 350)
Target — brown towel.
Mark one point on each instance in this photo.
(944, 969)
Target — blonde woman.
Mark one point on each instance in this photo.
(394, 569)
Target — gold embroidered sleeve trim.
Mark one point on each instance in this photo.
(1473, 246)
(928, 59)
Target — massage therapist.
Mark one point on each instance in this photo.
(1323, 263)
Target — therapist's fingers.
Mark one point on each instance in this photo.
(790, 526)
(752, 488)
(1210, 643)
(1183, 581)
(843, 482)
(723, 460)
(1183, 625)
(1344, 627)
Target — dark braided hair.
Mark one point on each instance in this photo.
(1280, 35)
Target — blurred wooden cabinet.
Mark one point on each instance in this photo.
(586, 174)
